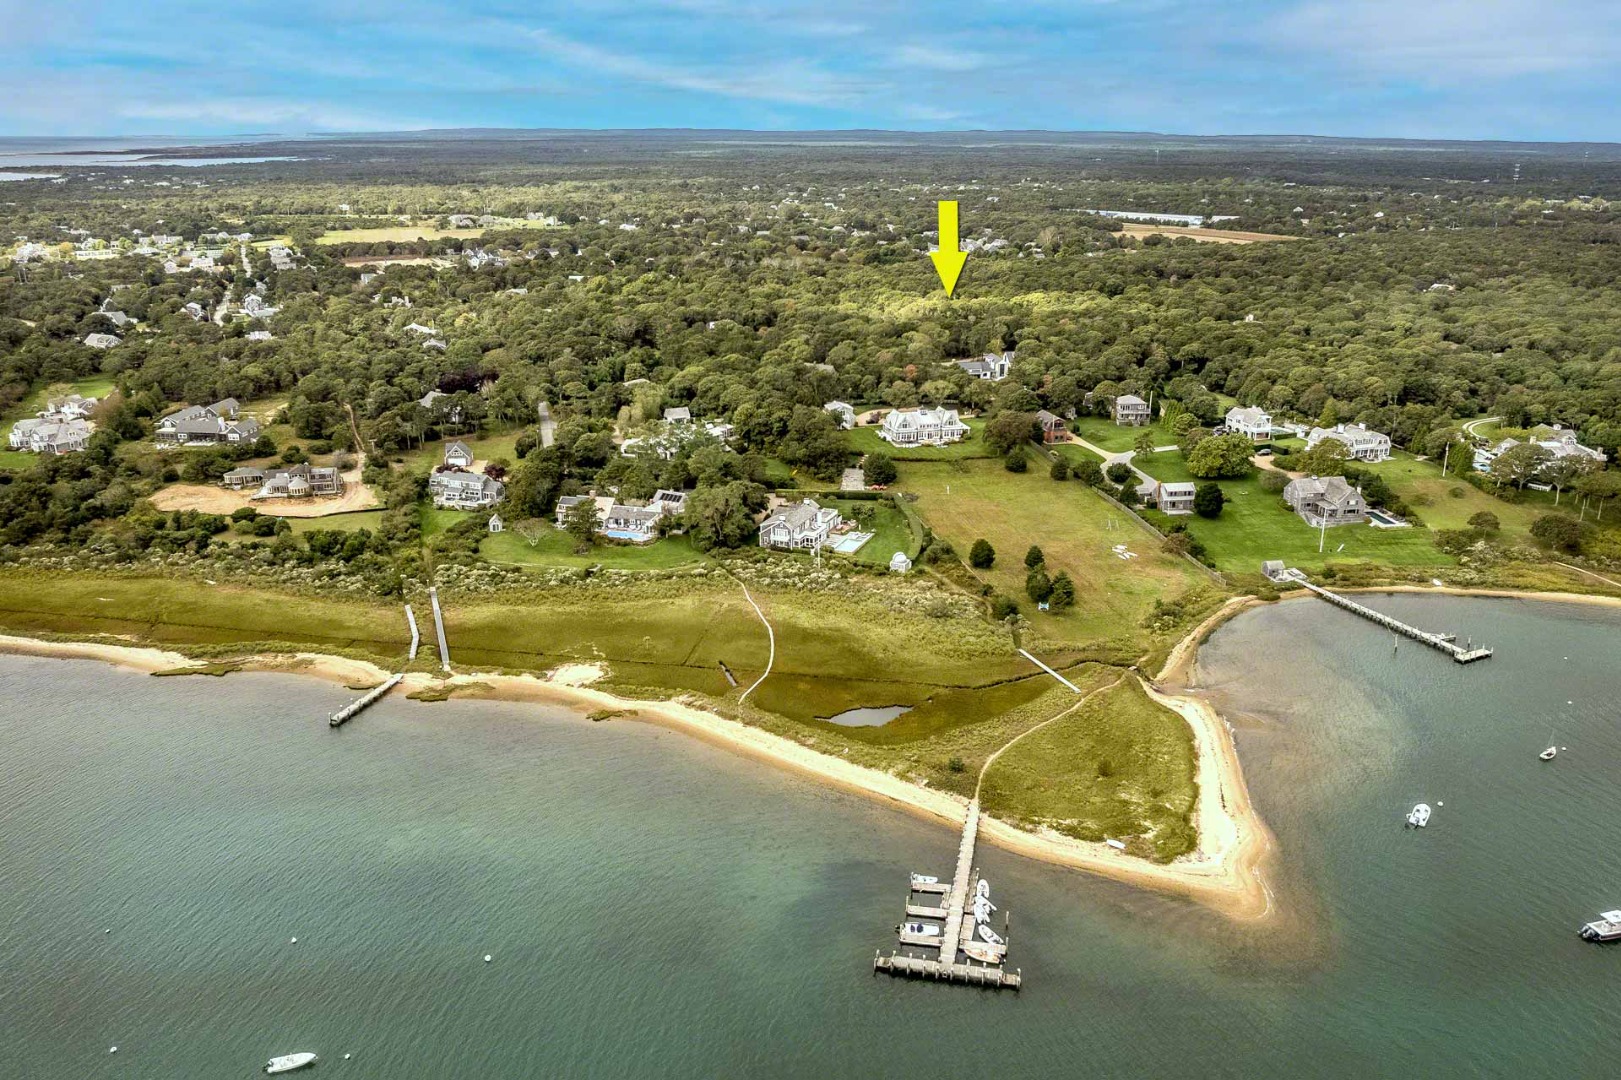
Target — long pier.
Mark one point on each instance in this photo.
(416, 636)
(372, 696)
(439, 627)
(957, 930)
(1463, 654)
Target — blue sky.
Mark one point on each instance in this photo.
(1515, 69)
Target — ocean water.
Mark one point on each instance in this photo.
(657, 907)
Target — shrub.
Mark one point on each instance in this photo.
(956, 765)
(1003, 607)
(1273, 481)
(1485, 521)
(1558, 532)
(1060, 469)
(1015, 461)
(879, 467)
(1087, 472)
(1208, 500)
(981, 556)
(1118, 473)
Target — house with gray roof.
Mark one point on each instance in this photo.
(993, 367)
(1360, 443)
(102, 341)
(457, 489)
(1255, 424)
(1174, 498)
(1325, 501)
(458, 455)
(805, 524)
(51, 434)
(1129, 410)
(200, 425)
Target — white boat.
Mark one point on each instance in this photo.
(985, 954)
(1548, 754)
(983, 888)
(289, 1062)
(924, 879)
(1607, 927)
(918, 929)
(982, 910)
(990, 935)
(1419, 816)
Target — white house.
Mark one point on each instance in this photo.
(102, 341)
(457, 489)
(993, 367)
(1360, 443)
(1559, 443)
(799, 525)
(458, 455)
(678, 415)
(1130, 411)
(1256, 424)
(70, 407)
(1175, 498)
(50, 434)
(922, 427)
(843, 412)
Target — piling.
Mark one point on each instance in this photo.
(372, 696)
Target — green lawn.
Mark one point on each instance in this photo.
(95, 386)
(1076, 530)
(426, 457)
(865, 440)
(1168, 467)
(1255, 525)
(890, 531)
(1074, 453)
(17, 459)
(556, 548)
(362, 519)
(1104, 433)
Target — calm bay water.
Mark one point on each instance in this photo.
(659, 908)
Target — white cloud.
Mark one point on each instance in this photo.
(263, 113)
(1452, 40)
(939, 58)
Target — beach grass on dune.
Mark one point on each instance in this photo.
(1120, 767)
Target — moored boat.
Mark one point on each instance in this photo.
(918, 929)
(289, 1062)
(1419, 816)
(990, 935)
(1607, 927)
(1548, 754)
(924, 879)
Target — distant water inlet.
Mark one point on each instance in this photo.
(867, 716)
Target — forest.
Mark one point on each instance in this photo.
(752, 281)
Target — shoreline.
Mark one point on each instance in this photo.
(1226, 873)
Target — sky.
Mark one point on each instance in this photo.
(1469, 69)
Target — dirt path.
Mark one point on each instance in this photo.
(979, 782)
(771, 635)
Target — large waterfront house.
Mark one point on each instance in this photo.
(843, 413)
(1325, 501)
(1052, 426)
(1255, 424)
(51, 434)
(457, 489)
(1559, 443)
(203, 425)
(803, 524)
(1360, 443)
(1129, 410)
(102, 341)
(993, 367)
(634, 522)
(294, 482)
(922, 427)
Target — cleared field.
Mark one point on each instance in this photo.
(1206, 236)
(1076, 530)
(425, 231)
(554, 547)
(1119, 767)
(865, 440)
(1255, 525)
(1447, 502)
(1105, 434)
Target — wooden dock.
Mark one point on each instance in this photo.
(372, 696)
(1447, 643)
(956, 931)
(439, 628)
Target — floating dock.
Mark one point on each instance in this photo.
(1447, 643)
(373, 695)
(439, 628)
(956, 931)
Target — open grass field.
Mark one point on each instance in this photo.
(1105, 434)
(865, 440)
(556, 548)
(1072, 524)
(1447, 502)
(1168, 467)
(1206, 236)
(1120, 767)
(424, 231)
(1255, 525)
(426, 457)
(16, 459)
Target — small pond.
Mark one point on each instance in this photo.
(867, 717)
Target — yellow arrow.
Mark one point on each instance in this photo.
(948, 260)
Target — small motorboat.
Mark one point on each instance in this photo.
(1548, 754)
(1607, 927)
(289, 1062)
(924, 879)
(982, 910)
(985, 954)
(918, 929)
(990, 935)
(1419, 816)
(983, 888)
